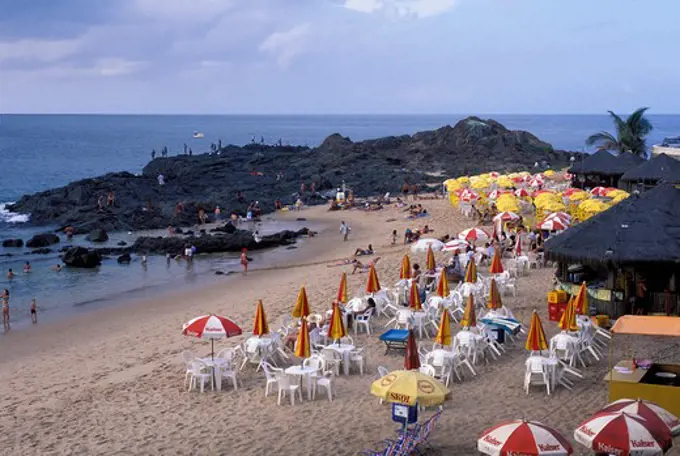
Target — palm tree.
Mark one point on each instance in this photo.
(630, 134)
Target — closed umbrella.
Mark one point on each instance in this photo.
(211, 327)
(471, 272)
(536, 337)
(342, 290)
(443, 336)
(443, 286)
(581, 300)
(521, 437)
(469, 319)
(623, 433)
(405, 271)
(372, 284)
(430, 264)
(496, 265)
(302, 347)
(494, 302)
(412, 358)
(260, 327)
(568, 320)
(301, 308)
(414, 298)
(336, 327)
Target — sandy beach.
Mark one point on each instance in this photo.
(110, 381)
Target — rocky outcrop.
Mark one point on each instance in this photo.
(97, 235)
(13, 243)
(42, 240)
(124, 258)
(238, 175)
(80, 257)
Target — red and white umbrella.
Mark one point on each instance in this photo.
(540, 176)
(648, 410)
(563, 216)
(522, 193)
(494, 174)
(536, 183)
(506, 217)
(599, 191)
(554, 224)
(211, 327)
(623, 434)
(468, 195)
(456, 244)
(494, 194)
(523, 437)
(473, 234)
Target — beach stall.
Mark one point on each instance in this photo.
(602, 168)
(658, 382)
(628, 255)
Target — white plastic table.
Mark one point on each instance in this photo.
(344, 350)
(441, 357)
(303, 371)
(418, 317)
(215, 365)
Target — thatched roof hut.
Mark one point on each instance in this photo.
(641, 229)
(603, 168)
(661, 168)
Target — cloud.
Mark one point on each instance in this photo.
(32, 50)
(287, 45)
(402, 8)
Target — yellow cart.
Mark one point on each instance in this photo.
(661, 382)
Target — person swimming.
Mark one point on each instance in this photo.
(56, 268)
(27, 267)
(10, 274)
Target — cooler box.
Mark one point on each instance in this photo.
(557, 296)
(556, 310)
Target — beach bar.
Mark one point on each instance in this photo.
(602, 168)
(629, 255)
(652, 381)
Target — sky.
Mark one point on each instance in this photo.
(339, 56)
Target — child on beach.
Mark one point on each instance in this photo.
(34, 311)
(394, 237)
(244, 261)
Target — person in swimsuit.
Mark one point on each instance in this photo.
(244, 261)
(5, 308)
(27, 267)
(10, 274)
(34, 311)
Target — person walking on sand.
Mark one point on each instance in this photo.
(344, 230)
(34, 312)
(244, 261)
(5, 308)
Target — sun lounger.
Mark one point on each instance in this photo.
(394, 339)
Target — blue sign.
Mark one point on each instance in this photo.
(404, 414)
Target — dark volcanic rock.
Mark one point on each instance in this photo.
(228, 228)
(42, 251)
(201, 182)
(13, 243)
(42, 240)
(97, 235)
(125, 258)
(121, 243)
(80, 257)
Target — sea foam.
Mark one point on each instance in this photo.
(12, 217)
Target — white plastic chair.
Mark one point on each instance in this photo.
(357, 357)
(347, 340)
(325, 381)
(227, 372)
(536, 373)
(201, 372)
(287, 387)
(363, 320)
(332, 360)
(271, 374)
(428, 370)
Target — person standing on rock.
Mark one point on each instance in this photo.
(344, 230)
(153, 154)
(100, 203)
(111, 199)
(218, 214)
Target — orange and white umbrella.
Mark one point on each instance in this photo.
(568, 320)
(373, 284)
(336, 327)
(414, 298)
(496, 265)
(623, 433)
(471, 272)
(342, 290)
(430, 264)
(302, 347)
(536, 337)
(469, 319)
(443, 286)
(581, 300)
(473, 234)
(521, 437)
(301, 308)
(494, 302)
(443, 336)
(405, 271)
(260, 327)
(648, 410)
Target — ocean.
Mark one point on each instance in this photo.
(38, 152)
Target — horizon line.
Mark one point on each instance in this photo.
(317, 114)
